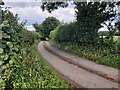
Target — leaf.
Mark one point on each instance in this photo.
(16, 49)
(20, 57)
(0, 27)
(9, 44)
(5, 35)
(5, 22)
(4, 67)
(5, 26)
(3, 46)
(1, 50)
(11, 61)
(6, 57)
(1, 35)
(1, 63)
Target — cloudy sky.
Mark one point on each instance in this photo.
(30, 10)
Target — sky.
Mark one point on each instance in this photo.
(30, 10)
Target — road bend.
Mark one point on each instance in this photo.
(72, 73)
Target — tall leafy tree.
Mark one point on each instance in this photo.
(51, 6)
(36, 26)
(47, 26)
(89, 18)
(1, 2)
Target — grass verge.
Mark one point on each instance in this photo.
(99, 55)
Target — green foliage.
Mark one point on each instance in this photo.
(1, 50)
(33, 71)
(100, 55)
(117, 33)
(50, 6)
(118, 44)
(65, 33)
(118, 25)
(47, 26)
(10, 56)
(54, 33)
(103, 33)
(29, 37)
(89, 18)
(37, 27)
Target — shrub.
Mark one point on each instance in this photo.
(64, 33)
(54, 33)
(118, 45)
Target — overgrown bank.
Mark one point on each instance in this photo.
(102, 56)
(36, 73)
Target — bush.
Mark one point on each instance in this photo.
(118, 45)
(95, 54)
(54, 33)
(29, 37)
(64, 33)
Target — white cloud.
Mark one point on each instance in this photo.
(103, 29)
(30, 28)
(33, 13)
(65, 14)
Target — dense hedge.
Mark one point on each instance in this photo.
(12, 40)
(64, 33)
(10, 49)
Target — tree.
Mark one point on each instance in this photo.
(47, 26)
(1, 2)
(89, 18)
(36, 26)
(50, 6)
(111, 33)
(118, 26)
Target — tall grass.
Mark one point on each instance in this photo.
(99, 55)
